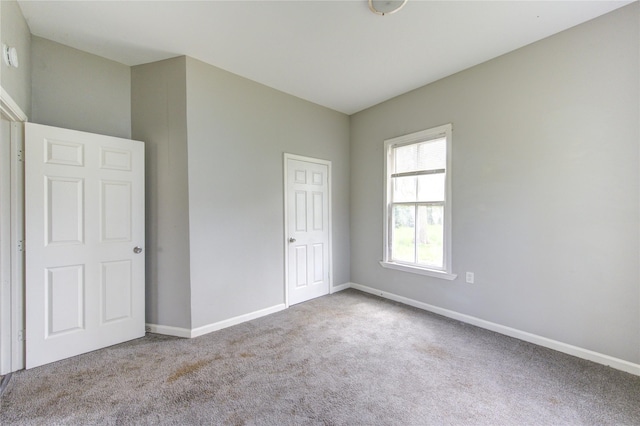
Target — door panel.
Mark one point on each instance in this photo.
(116, 283)
(115, 210)
(301, 211)
(85, 214)
(64, 200)
(318, 263)
(64, 300)
(308, 236)
(301, 266)
(65, 153)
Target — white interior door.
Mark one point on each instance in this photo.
(307, 231)
(84, 208)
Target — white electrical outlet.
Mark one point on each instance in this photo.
(470, 277)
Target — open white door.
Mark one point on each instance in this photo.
(84, 209)
(308, 211)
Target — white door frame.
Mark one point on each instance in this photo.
(285, 239)
(12, 343)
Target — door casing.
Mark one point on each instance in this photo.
(12, 242)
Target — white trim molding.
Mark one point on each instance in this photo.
(205, 329)
(209, 328)
(419, 271)
(337, 288)
(17, 242)
(9, 108)
(618, 364)
(12, 345)
(168, 330)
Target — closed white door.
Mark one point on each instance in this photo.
(84, 208)
(307, 228)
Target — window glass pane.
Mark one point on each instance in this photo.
(430, 246)
(406, 158)
(421, 156)
(403, 233)
(404, 189)
(432, 155)
(431, 187)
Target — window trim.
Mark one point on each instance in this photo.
(446, 272)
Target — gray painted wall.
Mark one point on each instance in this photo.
(14, 32)
(238, 132)
(545, 187)
(158, 115)
(78, 90)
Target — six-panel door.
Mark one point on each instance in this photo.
(308, 229)
(84, 213)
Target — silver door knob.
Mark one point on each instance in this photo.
(137, 250)
(292, 240)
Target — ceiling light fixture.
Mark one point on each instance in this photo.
(386, 7)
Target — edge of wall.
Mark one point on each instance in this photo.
(167, 330)
(618, 364)
(337, 288)
(205, 329)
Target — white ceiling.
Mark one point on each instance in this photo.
(334, 53)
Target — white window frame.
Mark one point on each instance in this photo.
(446, 272)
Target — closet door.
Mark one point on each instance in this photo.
(84, 208)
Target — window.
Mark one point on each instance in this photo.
(418, 203)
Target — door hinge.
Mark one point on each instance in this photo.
(21, 336)
(20, 155)
(21, 246)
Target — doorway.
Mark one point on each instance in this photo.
(308, 251)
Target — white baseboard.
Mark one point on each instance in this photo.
(337, 288)
(168, 330)
(199, 331)
(205, 329)
(576, 351)
(587, 354)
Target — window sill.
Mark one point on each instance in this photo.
(419, 271)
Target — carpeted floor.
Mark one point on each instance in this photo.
(345, 359)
